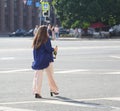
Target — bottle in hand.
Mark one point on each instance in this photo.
(55, 53)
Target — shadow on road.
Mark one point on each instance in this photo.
(70, 101)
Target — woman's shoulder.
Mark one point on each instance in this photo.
(47, 42)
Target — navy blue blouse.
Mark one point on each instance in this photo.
(42, 56)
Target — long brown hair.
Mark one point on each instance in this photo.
(40, 37)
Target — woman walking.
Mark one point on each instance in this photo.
(43, 60)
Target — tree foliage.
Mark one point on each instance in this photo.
(77, 12)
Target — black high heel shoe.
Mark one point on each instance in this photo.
(38, 96)
(54, 93)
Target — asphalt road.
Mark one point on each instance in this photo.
(86, 71)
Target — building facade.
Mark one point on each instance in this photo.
(15, 14)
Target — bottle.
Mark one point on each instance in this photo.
(55, 54)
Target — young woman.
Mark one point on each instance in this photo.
(43, 59)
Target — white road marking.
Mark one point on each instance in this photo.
(17, 70)
(71, 71)
(113, 98)
(15, 49)
(94, 99)
(115, 73)
(116, 57)
(88, 47)
(22, 102)
(71, 102)
(61, 48)
(64, 71)
(67, 38)
(61, 72)
(7, 58)
(12, 109)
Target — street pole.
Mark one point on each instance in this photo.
(40, 14)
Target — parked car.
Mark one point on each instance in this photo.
(115, 30)
(63, 31)
(18, 32)
(88, 32)
(29, 33)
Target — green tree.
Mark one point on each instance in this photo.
(75, 13)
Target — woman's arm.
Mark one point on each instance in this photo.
(48, 46)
